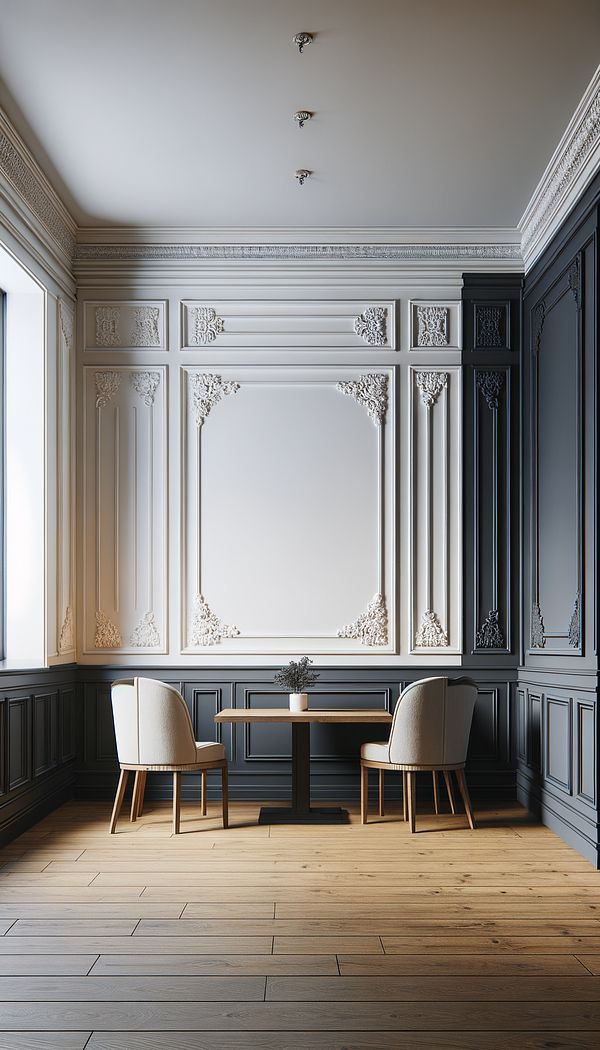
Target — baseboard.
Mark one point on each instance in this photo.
(573, 827)
(36, 803)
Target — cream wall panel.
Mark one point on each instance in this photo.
(65, 482)
(288, 496)
(435, 516)
(125, 325)
(349, 323)
(125, 499)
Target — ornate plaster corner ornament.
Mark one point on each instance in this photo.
(301, 40)
(490, 635)
(575, 623)
(488, 327)
(108, 635)
(490, 384)
(146, 385)
(302, 175)
(206, 628)
(146, 320)
(107, 326)
(574, 278)
(67, 324)
(432, 326)
(431, 385)
(538, 637)
(371, 627)
(371, 325)
(370, 391)
(145, 635)
(107, 385)
(431, 634)
(206, 325)
(537, 326)
(206, 390)
(66, 642)
(301, 116)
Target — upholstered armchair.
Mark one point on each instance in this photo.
(154, 734)
(430, 731)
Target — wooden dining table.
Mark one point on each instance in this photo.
(301, 811)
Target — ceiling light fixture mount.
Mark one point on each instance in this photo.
(302, 116)
(302, 174)
(302, 39)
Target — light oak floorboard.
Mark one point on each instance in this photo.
(433, 989)
(51, 965)
(44, 1040)
(72, 928)
(467, 1040)
(140, 945)
(407, 927)
(217, 965)
(134, 989)
(460, 965)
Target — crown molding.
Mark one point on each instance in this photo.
(573, 164)
(28, 192)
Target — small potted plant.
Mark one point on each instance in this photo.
(296, 678)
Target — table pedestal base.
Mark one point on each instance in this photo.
(314, 815)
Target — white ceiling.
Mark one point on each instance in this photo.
(179, 112)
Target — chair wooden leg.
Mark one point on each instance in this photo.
(135, 795)
(411, 779)
(225, 794)
(436, 801)
(176, 802)
(123, 778)
(448, 779)
(462, 784)
(140, 808)
(381, 795)
(364, 793)
(404, 795)
(203, 791)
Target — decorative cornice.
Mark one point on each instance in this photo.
(490, 384)
(538, 635)
(107, 385)
(575, 623)
(573, 164)
(431, 385)
(371, 325)
(371, 627)
(490, 635)
(108, 635)
(146, 385)
(370, 391)
(145, 635)
(431, 634)
(206, 390)
(206, 628)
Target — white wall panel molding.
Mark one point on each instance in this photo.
(305, 324)
(435, 541)
(125, 325)
(125, 487)
(65, 480)
(435, 325)
(287, 511)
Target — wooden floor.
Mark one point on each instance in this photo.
(341, 938)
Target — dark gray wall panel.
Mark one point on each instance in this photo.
(19, 741)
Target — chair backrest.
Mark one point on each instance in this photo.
(432, 722)
(152, 724)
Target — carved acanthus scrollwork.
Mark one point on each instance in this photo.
(107, 385)
(432, 326)
(145, 635)
(108, 635)
(575, 623)
(107, 326)
(370, 391)
(146, 385)
(206, 628)
(538, 637)
(537, 326)
(371, 627)
(431, 634)
(146, 321)
(206, 390)
(206, 325)
(431, 385)
(371, 325)
(490, 635)
(490, 384)
(488, 326)
(574, 278)
(66, 641)
(67, 323)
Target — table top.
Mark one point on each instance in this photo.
(283, 714)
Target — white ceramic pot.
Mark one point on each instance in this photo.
(298, 701)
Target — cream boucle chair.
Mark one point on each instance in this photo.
(154, 734)
(430, 731)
